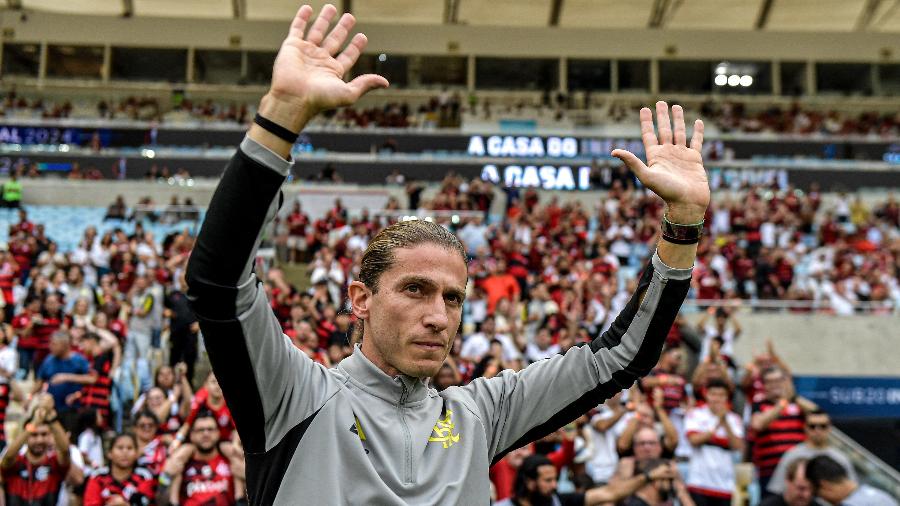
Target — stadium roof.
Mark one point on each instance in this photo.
(775, 15)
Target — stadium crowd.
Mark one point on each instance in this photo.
(102, 370)
(449, 109)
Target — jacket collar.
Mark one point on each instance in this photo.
(400, 389)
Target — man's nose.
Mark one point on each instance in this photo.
(435, 316)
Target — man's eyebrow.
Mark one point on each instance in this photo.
(426, 282)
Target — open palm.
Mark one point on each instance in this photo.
(674, 170)
(310, 67)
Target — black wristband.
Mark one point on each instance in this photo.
(275, 129)
(680, 233)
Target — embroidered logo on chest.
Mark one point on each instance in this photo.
(443, 431)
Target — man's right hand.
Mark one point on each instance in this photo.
(308, 76)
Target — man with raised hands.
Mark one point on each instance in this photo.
(371, 430)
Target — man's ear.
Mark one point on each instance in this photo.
(360, 298)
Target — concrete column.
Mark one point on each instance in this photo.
(189, 72)
(564, 74)
(106, 69)
(614, 76)
(876, 80)
(776, 77)
(42, 62)
(811, 88)
(654, 76)
(470, 73)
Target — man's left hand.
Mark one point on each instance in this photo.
(674, 170)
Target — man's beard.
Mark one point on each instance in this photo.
(206, 449)
(535, 498)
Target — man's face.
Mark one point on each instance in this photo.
(818, 427)
(543, 339)
(305, 333)
(831, 493)
(205, 434)
(799, 491)
(40, 440)
(488, 326)
(773, 383)
(545, 484)
(717, 400)
(647, 445)
(52, 304)
(412, 319)
(59, 347)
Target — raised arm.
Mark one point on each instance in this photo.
(524, 406)
(269, 385)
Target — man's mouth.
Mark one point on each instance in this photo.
(430, 345)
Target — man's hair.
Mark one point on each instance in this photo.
(793, 467)
(825, 468)
(379, 255)
(60, 335)
(717, 383)
(203, 414)
(815, 412)
(529, 471)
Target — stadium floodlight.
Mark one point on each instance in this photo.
(734, 80)
(746, 81)
(721, 80)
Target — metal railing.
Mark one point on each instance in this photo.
(792, 306)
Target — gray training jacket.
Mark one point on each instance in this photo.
(352, 434)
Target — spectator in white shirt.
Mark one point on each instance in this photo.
(605, 428)
(715, 433)
(542, 347)
(477, 345)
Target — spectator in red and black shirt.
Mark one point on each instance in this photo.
(23, 324)
(8, 367)
(777, 423)
(123, 482)
(209, 398)
(152, 451)
(33, 478)
(199, 474)
(9, 274)
(96, 395)
(46, 324)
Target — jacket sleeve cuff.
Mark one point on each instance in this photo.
(266, 156)
(670, 272)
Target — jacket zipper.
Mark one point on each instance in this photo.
(407, 438)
